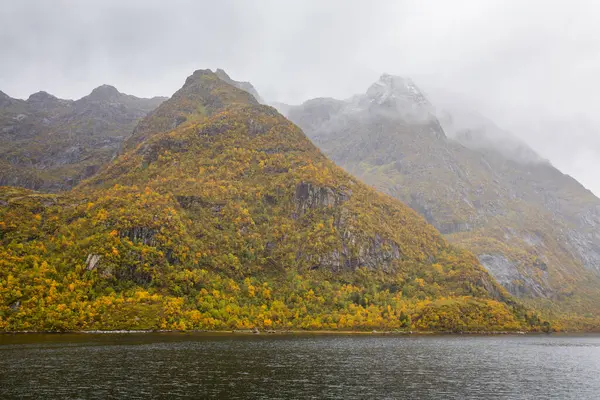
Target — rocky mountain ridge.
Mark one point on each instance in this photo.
(50, 144)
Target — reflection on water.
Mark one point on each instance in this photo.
(170, 365)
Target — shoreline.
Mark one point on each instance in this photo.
(250, 332)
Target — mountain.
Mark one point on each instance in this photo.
(50, 144)
(535, 229)
(219, 213)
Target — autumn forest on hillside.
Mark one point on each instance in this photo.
(218, 213)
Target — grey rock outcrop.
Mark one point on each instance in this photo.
(92, 261)
(309, 196)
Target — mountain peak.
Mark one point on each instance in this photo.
(198, 76)
(396, 90)
(41, 97)
(203, 94)
(45, 101)
(204, 77)
(211, 91)
(104, 93)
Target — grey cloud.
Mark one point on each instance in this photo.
(531, 67)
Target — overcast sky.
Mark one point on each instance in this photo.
(531, 66)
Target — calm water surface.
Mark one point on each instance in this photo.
(103, 366)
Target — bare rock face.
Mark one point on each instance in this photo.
(92, 261)
(355, 252)
(587, 247)
(374, 253)
(508, 275)
(309, 196)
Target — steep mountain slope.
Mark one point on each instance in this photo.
(220, 213)
(50, 144)
(535, 229)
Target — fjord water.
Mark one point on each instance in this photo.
(176, 365)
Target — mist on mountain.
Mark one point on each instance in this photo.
(530, 67)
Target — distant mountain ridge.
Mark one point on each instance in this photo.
(535, 229)
(50, 144)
